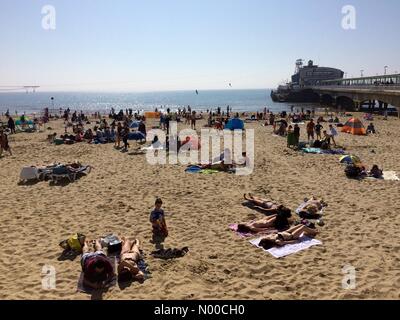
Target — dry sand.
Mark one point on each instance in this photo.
(362, 221)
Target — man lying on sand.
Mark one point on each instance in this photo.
(289, 236)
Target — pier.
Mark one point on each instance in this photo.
(353, 93)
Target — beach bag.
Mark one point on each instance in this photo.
(74, 243)
(112, 243)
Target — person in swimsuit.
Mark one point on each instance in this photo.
(313, 205)
(278, 222)
(267, 205)
(290, 236)
(97, 269)
(128, 268)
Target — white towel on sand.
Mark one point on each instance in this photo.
(280, 252)
(390, 175)
(387, 175)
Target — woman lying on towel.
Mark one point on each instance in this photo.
(130, 256)
(279, 221)
(267, 205)
(289, 236)
(97, 269)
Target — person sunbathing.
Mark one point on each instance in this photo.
(312, 206)
(97, 269)
(267, 205)
(375, 172)
(277, 221)
(130, 256)
(290, 236)
(219, 166)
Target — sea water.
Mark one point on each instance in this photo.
(238, 100)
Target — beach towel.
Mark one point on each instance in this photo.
(312, 150)
(333, 151)
(150, 148)
(234, 228)
(387, 175)
(280, 252)
(193, 169)
(208, 171)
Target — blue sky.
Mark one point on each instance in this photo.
(137, 45)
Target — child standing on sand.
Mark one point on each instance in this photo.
(157, 219)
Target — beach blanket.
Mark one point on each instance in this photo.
(208, 171)
(280, 252)
(234, 228)
(193, 169)
(312, 150)
(387, 175)
(136, 136)
(333, 151)
(197, 169)
(320, 151)
(150, 148)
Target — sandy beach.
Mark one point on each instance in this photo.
(361, 230)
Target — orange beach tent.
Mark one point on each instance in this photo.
(354, 126)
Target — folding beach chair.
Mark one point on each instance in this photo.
(69, 173)
(28, 174)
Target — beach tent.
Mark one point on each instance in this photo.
(134, 124)
(349, 159)
(152, 115)
(354, 126)
(137, 136)
(235, 124)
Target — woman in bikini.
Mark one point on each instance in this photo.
(290, 236)
(267, 205)
(130, 256)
